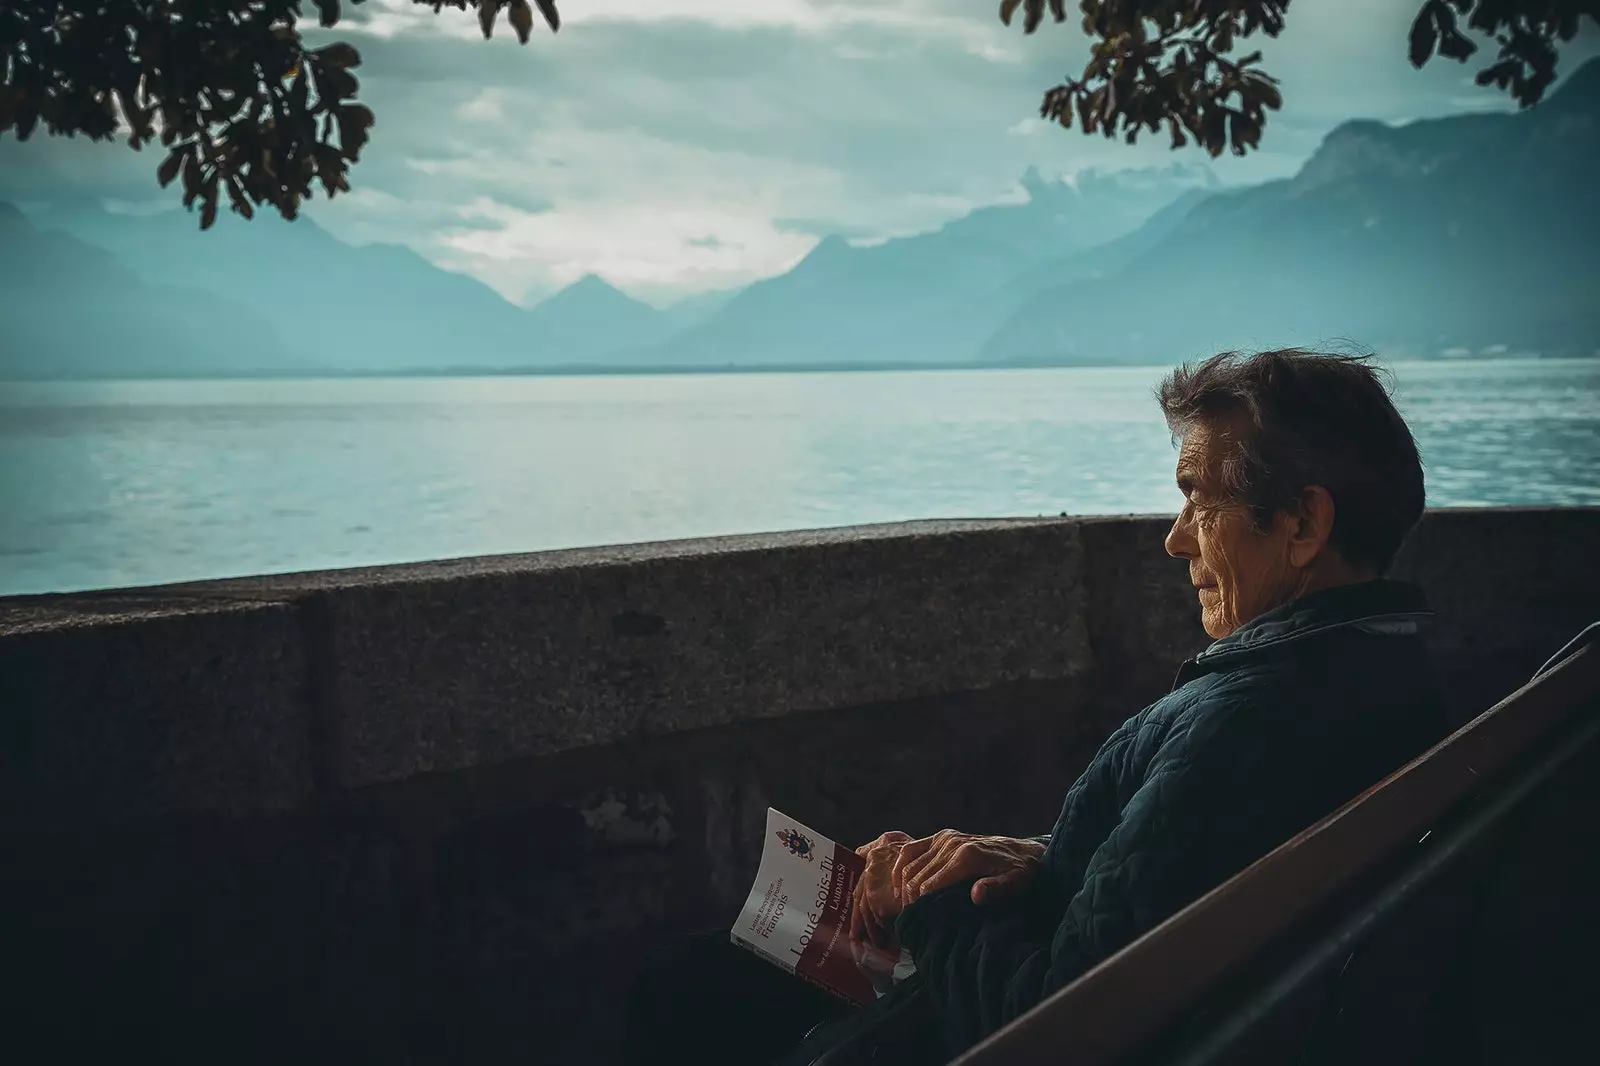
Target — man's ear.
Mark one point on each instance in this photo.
(1312, 525)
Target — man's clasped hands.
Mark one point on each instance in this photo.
(901, 870)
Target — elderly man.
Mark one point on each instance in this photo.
(1300, 481)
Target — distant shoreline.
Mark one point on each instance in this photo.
(621, 370)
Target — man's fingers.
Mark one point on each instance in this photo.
(945, 866)
(958, 867)
(930, 857)
(894, 836)
(913, 850)
(909, 855)
(936, 859)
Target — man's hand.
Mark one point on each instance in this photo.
(1002, 865)
(875, 903)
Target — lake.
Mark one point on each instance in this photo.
(107, 484)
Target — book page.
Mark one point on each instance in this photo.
(798, 914)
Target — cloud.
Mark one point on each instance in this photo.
(674, 146)
(391, 18)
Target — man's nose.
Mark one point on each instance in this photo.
(1180, 542)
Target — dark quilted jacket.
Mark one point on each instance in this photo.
(1264, 733)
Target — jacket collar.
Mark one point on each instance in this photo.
(1380, 606)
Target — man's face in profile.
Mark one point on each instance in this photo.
(1238, 571)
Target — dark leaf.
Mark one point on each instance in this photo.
(169, 168)
(1007, 9)
(354, 121)
(335, 84)
(552, 17)
(1453, 44)
(488, 11)
(338, 56)
(521, 18)
(191, 177)
(1424, 35)
(27, 116)
(241, 202)
(1214, 123)
(1032, 15)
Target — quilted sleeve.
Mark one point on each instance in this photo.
(1188, 826)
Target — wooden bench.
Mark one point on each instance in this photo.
(1455, 873)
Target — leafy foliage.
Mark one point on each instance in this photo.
(243, 107)
(1164, 63)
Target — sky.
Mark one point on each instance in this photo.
(683, 146)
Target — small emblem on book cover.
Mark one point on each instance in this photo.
(798, 844)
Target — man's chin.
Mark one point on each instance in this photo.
(1214, 624)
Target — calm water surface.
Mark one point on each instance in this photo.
(131, 483)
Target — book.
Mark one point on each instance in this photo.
(798, 914)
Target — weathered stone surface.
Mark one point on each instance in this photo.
(452, 665)
(1144, 619)
(124, 707)
(1510, 586)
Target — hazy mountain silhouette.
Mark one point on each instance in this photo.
(69, 309)
(698, 308)
(375, 307)
(590, 319)
(320, 304)
(1458, 234)
(933, 297)
(1113, 255)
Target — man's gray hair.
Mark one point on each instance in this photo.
(1307, 418)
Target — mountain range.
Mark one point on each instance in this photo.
(1448, 236)
(1445, 236)
(929, 298)
(71, 309)
(291, 298)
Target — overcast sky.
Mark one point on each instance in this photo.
(675, 146)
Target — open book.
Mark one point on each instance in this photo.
(798, 914)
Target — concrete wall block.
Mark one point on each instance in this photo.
(1510, 586)
(119, 708)
(1144, 619)
(441, 673)
(1507, 578)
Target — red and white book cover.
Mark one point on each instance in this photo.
(798, 914)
